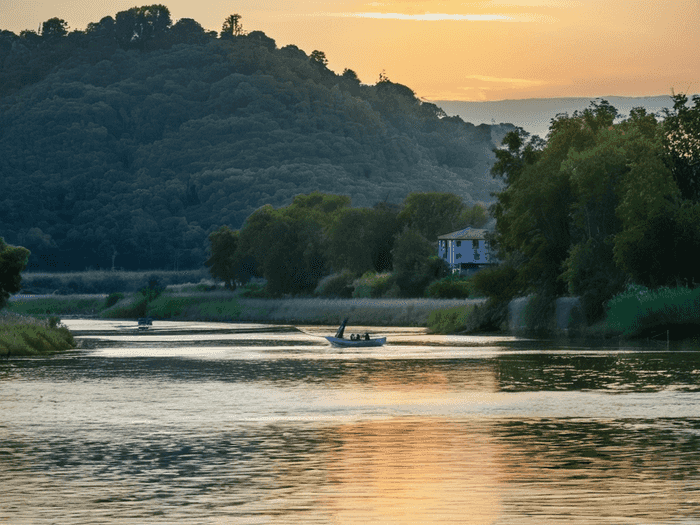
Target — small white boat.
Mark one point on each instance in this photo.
(354, 341)
(342, 342)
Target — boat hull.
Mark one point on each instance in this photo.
(347, 343)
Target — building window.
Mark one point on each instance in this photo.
(458, 256)
(459, 243)
(476, 255)
(475, 245)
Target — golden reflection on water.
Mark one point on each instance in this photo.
(216, 423)
(407, 470)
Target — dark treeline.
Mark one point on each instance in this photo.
(605, 205)
(126, 144)
(320, 244)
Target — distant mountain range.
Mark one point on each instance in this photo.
(535, 114)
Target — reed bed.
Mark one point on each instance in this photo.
(105, 281)
(641, 312)
(27, 336)
(81, 304)
(368, 312)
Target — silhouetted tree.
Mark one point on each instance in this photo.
(54, 27)
(13, 260)
(232, 26)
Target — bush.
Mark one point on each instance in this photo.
(450, 320)
(639, 311)
(499, 283)
(113, 299)
(452, 287)
(255, 291)
(338, 285)
(375, 285)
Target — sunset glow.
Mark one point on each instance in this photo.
(459, 50)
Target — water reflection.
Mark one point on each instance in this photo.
(242, 424)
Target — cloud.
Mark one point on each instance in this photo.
(511, 82)
(429, 17)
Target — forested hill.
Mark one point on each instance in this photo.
(133, 149)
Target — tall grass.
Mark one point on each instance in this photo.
(639, 311)
(27, 336)
(103, 281)
(449, 320)
(56, 305)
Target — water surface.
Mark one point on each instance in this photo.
(229, 423)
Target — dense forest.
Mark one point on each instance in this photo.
(126, 144)
(604, 203)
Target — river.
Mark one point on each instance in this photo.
(218, 423)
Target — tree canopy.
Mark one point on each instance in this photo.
(603, 202)
(13, 260)
(132, 141)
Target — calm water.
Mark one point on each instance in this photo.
(217, 423)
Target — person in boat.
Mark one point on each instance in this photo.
(366, 336)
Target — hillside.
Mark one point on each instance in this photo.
(129, 152)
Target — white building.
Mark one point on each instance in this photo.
(465, 251)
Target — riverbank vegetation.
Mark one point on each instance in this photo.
(221, 305)
(22, 335)
(607, 209)
(320, 245)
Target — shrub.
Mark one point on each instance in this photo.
(450, 320)
(639, 311)
(499, 283)
(452, 287)
(375, 285)
(113, 299)
(338, 285)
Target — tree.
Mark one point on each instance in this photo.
(54, 27)
(232, 26)
(222, 262)
(416, 264)
(13, 260)
(137, 26)
(319, 58)
(682, 143)
(432, 214)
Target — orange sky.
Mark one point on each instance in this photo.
(457, 49)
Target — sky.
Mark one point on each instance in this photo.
(456, 49)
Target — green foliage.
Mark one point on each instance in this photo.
(336, 285)
(113, 299)
(450, 320)
(475, 217)
(152, 289)
(222, 263)
(13, 260)
(103, 282)
(681, 138)
(148, 136)
(57, 305)
(415, 263)
(375, 285)
(597, 205)
(499, 283)
(432, 214)
(28, 336)
(639, 311)
(451, 287)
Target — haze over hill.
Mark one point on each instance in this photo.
(535, 114)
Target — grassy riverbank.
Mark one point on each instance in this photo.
(231, 307)
(22, 335)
